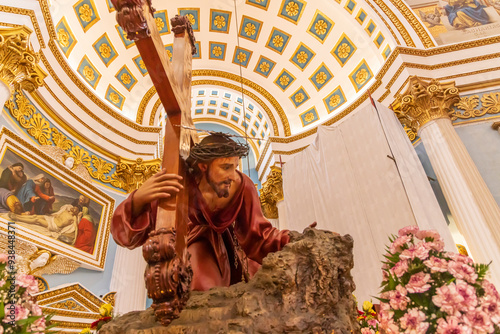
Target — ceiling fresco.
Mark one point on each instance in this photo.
(300, 60)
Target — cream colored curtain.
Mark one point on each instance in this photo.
(348, 182)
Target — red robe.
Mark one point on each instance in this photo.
(85, 238)
(213, 231)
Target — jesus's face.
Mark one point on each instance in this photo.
(220, 174)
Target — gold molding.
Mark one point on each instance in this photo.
(153, 112)
(387, 25)
(265, 167)
(415, 23)
(438, 66)
(221, 74)
(263, 154)
(31, 14)
(144, 103)
(297, 150)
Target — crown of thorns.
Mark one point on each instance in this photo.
(226, 147)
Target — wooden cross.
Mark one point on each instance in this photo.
(168, 274)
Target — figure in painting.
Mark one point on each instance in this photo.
(62, 225)
(228, 236)
(87, 231)
(45, 192)
(464, 14)
(10, 203)
(27, 194)
(13, 177)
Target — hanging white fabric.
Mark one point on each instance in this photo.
(348, 182)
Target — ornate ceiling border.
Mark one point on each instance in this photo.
(407, 38)
(31, 14)
(55, 51)
(410, 17)
(221, 74)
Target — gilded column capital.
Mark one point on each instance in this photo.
(131, 174)
(271, 193)
(424, 101)
(19, 67)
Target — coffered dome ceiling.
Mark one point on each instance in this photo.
(300, 61)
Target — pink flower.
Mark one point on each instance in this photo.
(459, 258)
(398, 299)
(367, 331)
(28, 282)
(490, 289)
(447, 299)
(491, 307)
(438, 245)
(419, 283)
(386, 321)
(400, 268)
(36, 310)
(469, 294)
(462, 271)
(424, 234)
(479, 321)
(419, 251)
(451, 326)
(436, 264)
(21, 313)
(2, 283)
(38, 325)
(414, 322)
(372, 322)
(398, 244)
(412, 229)
(3, 258)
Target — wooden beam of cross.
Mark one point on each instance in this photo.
(168, 274)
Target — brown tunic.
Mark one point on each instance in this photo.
(251, 229)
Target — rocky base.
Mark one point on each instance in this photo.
(305, 288)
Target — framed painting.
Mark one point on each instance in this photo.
(47, 204)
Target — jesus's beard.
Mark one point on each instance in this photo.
(218, 187)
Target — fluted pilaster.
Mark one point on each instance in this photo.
(128, 280)
(425, 107)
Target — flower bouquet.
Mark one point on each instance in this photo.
(368, 319)
(18, 310)
(106, 311)
(428, 290)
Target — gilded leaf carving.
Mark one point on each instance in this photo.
(80, 155)
(491, 103)
(60, 140)
(101, 167)
(40, 129)
(468, 104)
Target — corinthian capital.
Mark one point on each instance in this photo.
(18, 60)
(271, 193)
(424, 101)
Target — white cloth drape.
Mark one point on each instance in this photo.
(346, 182)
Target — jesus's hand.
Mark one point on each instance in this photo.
(160, 185)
